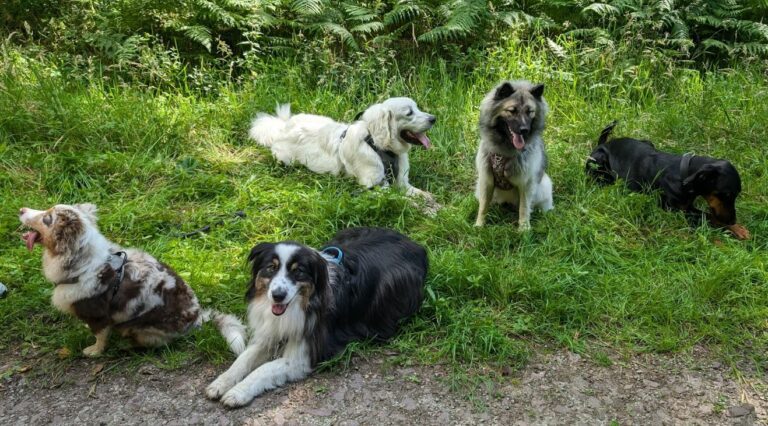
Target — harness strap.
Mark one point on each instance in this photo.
(685, 164)
(498, 163)
(121, 257)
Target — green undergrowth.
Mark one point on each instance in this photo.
(605, 265)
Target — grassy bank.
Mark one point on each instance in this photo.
(606, 266)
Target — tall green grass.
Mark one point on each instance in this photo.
(606, 266)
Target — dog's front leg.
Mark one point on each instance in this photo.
(252, 357)
(401, 180)
(524, 212)
(96, 349)
(483, 190)
(294, 365)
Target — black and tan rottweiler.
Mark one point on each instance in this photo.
(681, 178)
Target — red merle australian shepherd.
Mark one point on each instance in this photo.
(113, 288)
(306, 305)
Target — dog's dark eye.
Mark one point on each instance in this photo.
(410, 112)
(271, 268)
(47, 219)
(513, 110)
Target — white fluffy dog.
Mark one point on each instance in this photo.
(373, 149)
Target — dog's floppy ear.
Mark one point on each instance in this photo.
(256, 258)
(538, 91)
(702, 179)
(89, 210)
(319, 273)
(504, 91)
(380, 121)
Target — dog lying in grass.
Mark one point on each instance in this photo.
(305, 305)
(681, 178)
(373, 149)
(111, 288)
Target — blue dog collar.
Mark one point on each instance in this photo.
(335, 252)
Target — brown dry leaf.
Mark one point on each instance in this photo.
(64, 353)
(24, 369)
(97, 369)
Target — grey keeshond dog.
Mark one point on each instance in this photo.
(511, 161)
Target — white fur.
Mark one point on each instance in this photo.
(277, 352)
(315, 141)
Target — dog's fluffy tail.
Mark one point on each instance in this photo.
(607, 132)
(265, 128)
(230, 327)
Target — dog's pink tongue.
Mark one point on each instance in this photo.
(278, 309)
(518, 141)
(30, 238)
(423, 139)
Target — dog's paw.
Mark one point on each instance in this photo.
(236, 397)
(93, 351)
(524, 226)
(219, 387)
(739, 231)
(479, 223)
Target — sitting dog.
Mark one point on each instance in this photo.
(109, 287)
(306, 305)
(373, 149)
(511, 161)
(681, 178)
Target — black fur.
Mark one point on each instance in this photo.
(643, 167)
(379, 283)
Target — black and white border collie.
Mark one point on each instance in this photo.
(306, 305)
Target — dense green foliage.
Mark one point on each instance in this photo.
(125, 31)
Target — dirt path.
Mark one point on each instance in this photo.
(559, 388)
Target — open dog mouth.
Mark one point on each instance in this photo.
(416, 138)
(31, 238)
(279, 308)
(516, 138)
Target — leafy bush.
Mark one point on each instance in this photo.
(126, 33)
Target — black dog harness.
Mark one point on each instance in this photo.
(388, 158)
(122, 258)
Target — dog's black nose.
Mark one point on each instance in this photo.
(278, 295)
(524, 131)
(432, 119)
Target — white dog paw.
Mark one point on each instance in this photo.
(218, 388)
(524, 226)
(236, 398)
(93, 350)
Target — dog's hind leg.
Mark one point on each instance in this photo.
(252, 357)
(545, 194)
(293, 365)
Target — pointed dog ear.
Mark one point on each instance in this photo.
(538, 91)
(701, 179)
(504, 91)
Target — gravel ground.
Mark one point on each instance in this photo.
(556, 388)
